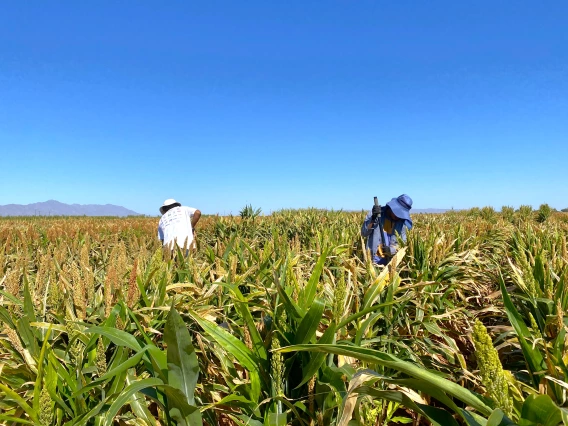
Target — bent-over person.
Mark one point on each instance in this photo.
(395, 220)
(177, 225)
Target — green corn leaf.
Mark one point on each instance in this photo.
(156, 359)
(54, 374)
(334, 377)
(436, 393)
(309, 293)
(275, 419)
(233, 400)
(118, 337)
(559, 348)
(5, 317)
(142, 284)
(498, 418)
(309, 324)
(293, 407)
(318, 359)
(12, 419)
(183, 367)
(564, 413)
(11, 298)
(252, 252)
(533, 356)
(365, 311)
(27, 335)
(380, 358)
(117, 382)
(47, 325)
(375, 289)
(236, 348)
(124, 366)
(138, 406)
(365, 326)
(159, 361)
(180, 410)
(292, 308)
(125, 396)
(38, 384)
(242, 307)
(84, 419)
(471, 418)
(229, 248)
(20, 401)
(437, 416)
(541, 410)
(539, 274)
(29, 309)
(244, 420)
(138, 325)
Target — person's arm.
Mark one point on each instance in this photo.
(195, 218)
(400, 233)
(367, 227)
(160, 234)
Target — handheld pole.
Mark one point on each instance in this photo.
(380, 246)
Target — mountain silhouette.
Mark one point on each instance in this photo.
(55, 208)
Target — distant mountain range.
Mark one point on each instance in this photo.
(55, 208)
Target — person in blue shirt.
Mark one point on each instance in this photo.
(395, 218)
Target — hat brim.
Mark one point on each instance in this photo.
(398, 209)
(163, 209)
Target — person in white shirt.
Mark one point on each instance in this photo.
(177, 225)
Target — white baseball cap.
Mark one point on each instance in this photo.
(169, 202)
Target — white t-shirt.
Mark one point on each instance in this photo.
(175, 225)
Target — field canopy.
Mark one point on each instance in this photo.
(283, 319)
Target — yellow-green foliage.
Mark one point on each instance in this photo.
(277, 368)
(101, 358)
(112, 276)
(46, 408)
(490, 369)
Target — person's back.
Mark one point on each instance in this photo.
(176, 225)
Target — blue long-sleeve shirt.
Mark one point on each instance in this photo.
(390, 227)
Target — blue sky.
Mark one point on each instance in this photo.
(284, 104)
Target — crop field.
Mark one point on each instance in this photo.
(283, 320)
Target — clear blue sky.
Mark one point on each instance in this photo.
(284, 104)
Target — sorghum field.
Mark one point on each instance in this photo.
(282, 320)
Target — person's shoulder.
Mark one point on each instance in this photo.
(189, 210)
(166, 215)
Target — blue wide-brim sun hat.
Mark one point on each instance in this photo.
(401, 206)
